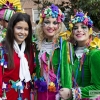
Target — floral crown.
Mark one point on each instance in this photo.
(53, 11)
(80, 17)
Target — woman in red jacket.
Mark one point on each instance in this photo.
(17, 58)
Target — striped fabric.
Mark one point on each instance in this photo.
(8, 14)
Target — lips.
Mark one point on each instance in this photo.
(50, 30)
(79, 35)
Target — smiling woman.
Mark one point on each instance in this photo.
(51, 55)
(86, 66)
(50, 26)
(17, 58)
(21, 31)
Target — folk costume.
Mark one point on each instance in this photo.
(52, 64)
(16, 82)
(86, 66)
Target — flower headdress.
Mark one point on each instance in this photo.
(52, 11)
(8, 8)
(80, 17)
(10, 4)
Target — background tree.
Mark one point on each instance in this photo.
(90, 6)
(69, 8)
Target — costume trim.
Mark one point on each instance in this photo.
(76, 93)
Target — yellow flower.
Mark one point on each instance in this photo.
(65, 35)
(52, 84)
(95, 43)
(52, 87)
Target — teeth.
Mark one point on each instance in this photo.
(21, 36)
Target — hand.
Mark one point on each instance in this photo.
(65, 93)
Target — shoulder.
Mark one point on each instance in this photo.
(94, 52)
(63, 41)
(94, 56)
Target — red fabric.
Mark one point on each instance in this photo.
(13, 74)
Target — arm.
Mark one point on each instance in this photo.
(65, 68)
(83, 92)
(94, 65)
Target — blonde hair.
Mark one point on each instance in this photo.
(40, 35)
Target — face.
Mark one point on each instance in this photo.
(50, 26)
(21, 31)
(80, 32)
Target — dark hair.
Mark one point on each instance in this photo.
(9, 39)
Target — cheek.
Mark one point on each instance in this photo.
(16, 31)
(56, 27)
(27, 33)
(74, 31)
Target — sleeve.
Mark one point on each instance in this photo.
(65, 68)
(92, 90)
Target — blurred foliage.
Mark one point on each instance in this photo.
(90, 6)
(69, 8)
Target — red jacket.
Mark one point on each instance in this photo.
(13, 74)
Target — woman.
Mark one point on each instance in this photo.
(17, 58)
(52, 66)
(86, 67)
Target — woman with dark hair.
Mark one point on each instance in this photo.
(17, 58)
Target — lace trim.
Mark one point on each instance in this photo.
(46, 47)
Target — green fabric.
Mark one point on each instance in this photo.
(65, 71)
(66, 79)
(37, 69)
(91, 79)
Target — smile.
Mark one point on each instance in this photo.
(21, 36)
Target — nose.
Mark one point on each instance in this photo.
(79, 29)
(51, 25)
(22, 31)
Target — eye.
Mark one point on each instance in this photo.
(46, 22)
(55, 22)
(84, 27)
(18, 27)
(75, 28)
(26, 29)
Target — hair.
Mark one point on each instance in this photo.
(9, 39)
(41, 35)
(54, 12)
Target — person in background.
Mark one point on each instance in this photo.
(86, 66)
(17, 58)
(52, 65)
(7, 9)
